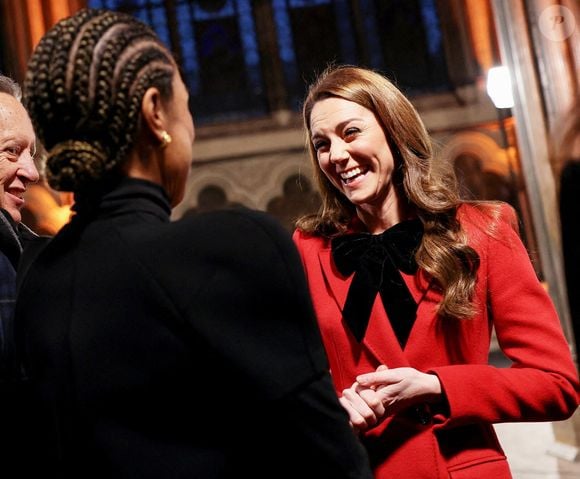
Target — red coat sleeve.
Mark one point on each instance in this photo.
(542, 382)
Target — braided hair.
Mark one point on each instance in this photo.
(83, 90)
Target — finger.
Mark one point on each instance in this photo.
(374, 402)
(373, 379)
(359, 404)
(357, 421)
(390, 400)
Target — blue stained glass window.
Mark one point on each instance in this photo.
(431, 22)
(306, 3)
(218, 51)
(218, 46)
(111, 4)
(190, 63)
(283, 29)
(285, 41)
(342, 17)
(248, 33)
(345, 27)
(368, 14)
(312, 34)
(158, 21)
(406, 32)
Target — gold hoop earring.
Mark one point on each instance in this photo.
(165, 139)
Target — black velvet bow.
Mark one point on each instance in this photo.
(376, 261)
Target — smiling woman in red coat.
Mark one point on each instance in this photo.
(408, 282)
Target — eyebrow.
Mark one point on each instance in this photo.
(339, 126)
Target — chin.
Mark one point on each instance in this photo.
(357, 200)
(15, 214)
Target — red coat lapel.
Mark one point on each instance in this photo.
(380, 339)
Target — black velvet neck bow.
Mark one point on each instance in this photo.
(376, 261)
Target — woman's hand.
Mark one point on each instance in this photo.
(401, 388)
(377, 395)
(364, 407)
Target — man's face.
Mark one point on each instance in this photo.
(17, 147)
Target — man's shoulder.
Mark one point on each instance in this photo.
(25, 233)
(235, 222)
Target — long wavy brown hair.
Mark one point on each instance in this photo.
(444, 255)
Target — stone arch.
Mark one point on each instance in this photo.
(201, 184)
(478, 145)
(481, 166)
(285, 168)
(297, 197)
(252, 181)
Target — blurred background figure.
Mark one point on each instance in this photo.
(46, 210)
(567, 151)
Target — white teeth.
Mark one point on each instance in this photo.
(351, 173)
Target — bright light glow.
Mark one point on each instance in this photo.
(499, 87)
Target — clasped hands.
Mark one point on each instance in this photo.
(382, 393)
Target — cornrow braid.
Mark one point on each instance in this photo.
(84, 87)
(73, 159)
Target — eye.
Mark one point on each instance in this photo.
(11, 150)
(319, 144)
(351, 131)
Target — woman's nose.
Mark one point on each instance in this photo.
(338, 152)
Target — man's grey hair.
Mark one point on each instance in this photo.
(8, 85)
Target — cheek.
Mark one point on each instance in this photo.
(7, 168)
(388, 163)
(383, 152)
(327, 168)
(325, 165)
(177, 185)
(183, 165)
(333, 180)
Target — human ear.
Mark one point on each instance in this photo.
(154, 115)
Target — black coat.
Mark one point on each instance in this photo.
(17, 414)
(184, 349)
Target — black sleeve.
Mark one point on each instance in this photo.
(320, 434)
(256, 310)
(254, 306)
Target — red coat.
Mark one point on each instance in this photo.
(541, 385)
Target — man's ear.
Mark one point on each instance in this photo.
(153, 113)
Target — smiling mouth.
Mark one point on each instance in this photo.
(350, 175)
(16, 195)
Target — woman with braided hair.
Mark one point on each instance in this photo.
(408, 282)
(157, 348)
